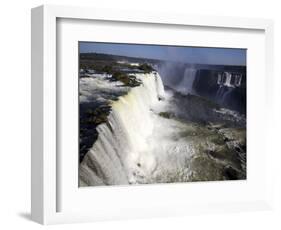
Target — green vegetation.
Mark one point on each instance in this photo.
(146, 68)
(167, 115)
(97, 116)
(102, 63)
(84, 76)
(100, 66)
(217, 139)
(127, 80)
(108, 69)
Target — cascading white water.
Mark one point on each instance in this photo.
(123, 138)
(228, 79)
(186, 84)
(226, 86)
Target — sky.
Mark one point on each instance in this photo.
(198, 55)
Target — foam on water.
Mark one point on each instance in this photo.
(97, 87)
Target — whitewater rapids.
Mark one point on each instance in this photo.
(133, 146)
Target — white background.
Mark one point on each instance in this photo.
(15, 114)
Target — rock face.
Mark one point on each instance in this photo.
(224, 85)
(229, 95)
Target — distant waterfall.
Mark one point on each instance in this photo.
(227, 82)
(123, 137)
(186, 84)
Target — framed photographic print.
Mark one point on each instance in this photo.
(139, 114)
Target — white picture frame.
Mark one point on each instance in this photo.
(45, 162)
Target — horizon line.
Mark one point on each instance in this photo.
(160, 59)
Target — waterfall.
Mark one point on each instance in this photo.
(186, 84)
(122, 139)
(228, 79)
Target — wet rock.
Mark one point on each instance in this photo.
(230, 173)
(243, 147)
(127, 80)
(238, 149)
(226, 139)
(218, 154)
(167, 115)
(217, 140)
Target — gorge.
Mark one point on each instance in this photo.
(142, 127)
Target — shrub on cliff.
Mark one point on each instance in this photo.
(127, 80)
(146, 68)
(108, 69)
(167, 115)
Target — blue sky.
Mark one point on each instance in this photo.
(219, 56)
